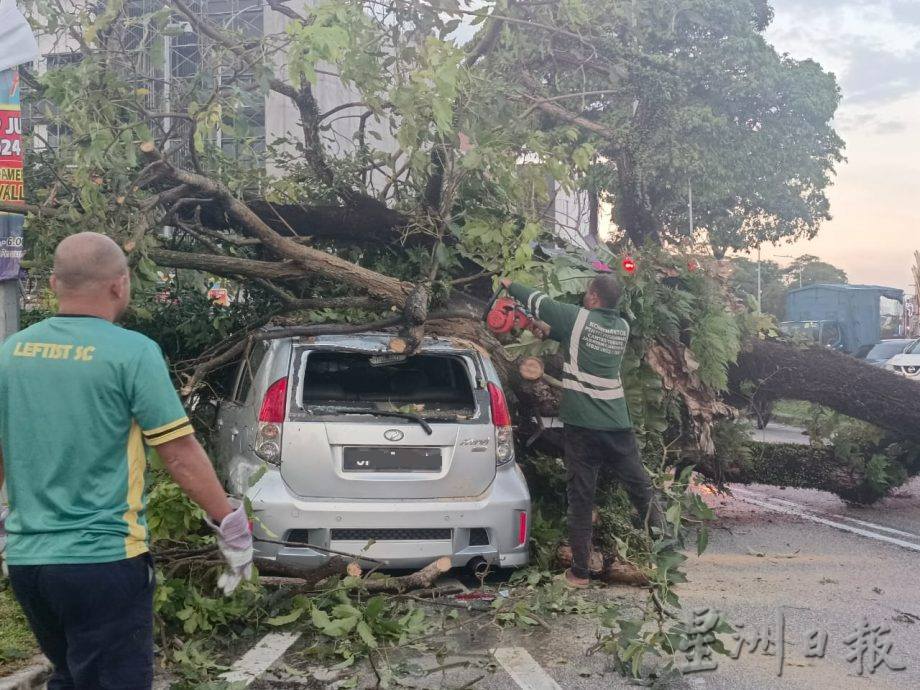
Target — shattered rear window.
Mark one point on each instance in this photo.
(420, 384)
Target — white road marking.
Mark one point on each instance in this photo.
(880, 528)
(748, 497)
(524, 669)
(864, 523)
(257, 660)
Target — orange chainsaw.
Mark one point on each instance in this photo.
(505, 315)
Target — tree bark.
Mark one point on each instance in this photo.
(310, 577)
(797, 466)
(366, 221)
(228, 266)
(328, 265)
(840, 382)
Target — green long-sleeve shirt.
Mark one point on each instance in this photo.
(593, 342)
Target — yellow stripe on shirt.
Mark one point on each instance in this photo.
(171, 436)
(166, 427)
(136, 541)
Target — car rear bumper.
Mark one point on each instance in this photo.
(403, 533)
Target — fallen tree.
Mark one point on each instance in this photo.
(852, 387)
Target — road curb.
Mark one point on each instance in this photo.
(33, 676)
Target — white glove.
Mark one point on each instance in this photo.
(234, 538)
(4, 511)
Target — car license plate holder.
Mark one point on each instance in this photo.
(388, 459)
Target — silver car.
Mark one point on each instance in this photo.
(341, 444)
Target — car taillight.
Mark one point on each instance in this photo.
(522, 528)
(500, 414)
(273, 403)
(271, 417)
(501, 419)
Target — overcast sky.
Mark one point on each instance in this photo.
(873, 46)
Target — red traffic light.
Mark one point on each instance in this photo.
(629, 265)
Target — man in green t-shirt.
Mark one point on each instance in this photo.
(598, 431)
(80, 398)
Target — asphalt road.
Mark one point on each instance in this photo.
(804, 554)
(780, 433)
(825, 566)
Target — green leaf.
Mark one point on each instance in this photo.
(364, 632)
(702, 540)
(333, 628)
(286, 619)
(345, 611)
(147, 269)
(374, 608)
(673, 514)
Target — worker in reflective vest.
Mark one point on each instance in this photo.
(598, 430)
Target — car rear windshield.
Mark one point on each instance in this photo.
(423, 384)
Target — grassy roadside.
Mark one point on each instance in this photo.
(17, 645)
(794, 412)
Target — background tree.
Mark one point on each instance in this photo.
(688, 94)
(809, 270)
(776, 281)
(743, 282)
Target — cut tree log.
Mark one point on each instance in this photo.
(617, 572)
(421, 579)
(530, 368)
(398, 345)
(310, 577)
(607, 569)
(595, 559)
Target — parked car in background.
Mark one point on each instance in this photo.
(339, 443)
(881, 352)
(908, 362)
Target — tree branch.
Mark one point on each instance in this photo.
(486, 42)
(279, 6)
(391, 290)
(297, 303)
(24, 209)
(303, 98)
(549, 107)
(227, 266)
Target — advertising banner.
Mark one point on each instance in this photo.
(11, 189)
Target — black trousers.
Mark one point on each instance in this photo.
(587, 451)
(94, 622)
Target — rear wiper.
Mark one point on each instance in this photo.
(401, 415)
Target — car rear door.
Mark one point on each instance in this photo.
(329, 454)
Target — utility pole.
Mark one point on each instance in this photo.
(690, 203)
(759, 284)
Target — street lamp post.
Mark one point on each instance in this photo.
(789, 256)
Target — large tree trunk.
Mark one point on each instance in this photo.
(797, 466)
(772, 370)
(840, 382)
